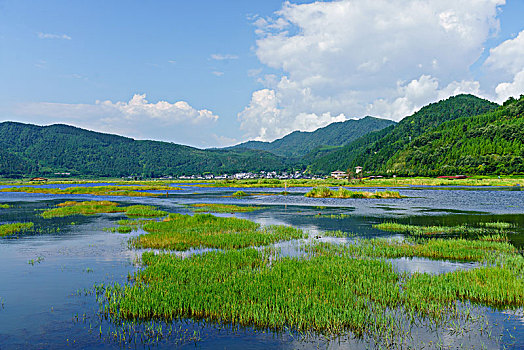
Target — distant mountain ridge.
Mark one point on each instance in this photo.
(374, 150)
(299, 143)
(27, 149)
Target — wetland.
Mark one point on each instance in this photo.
(111, 265)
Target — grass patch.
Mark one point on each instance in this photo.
(223, 208)
(130, 191)
(4, 206)
(493, 230)
(331, 291)
(82, 208)
(98, 207)
(182, 232)
(144, 211)
(240, 194)
(11, 229)
(325, 192)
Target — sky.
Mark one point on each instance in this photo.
(209, 73)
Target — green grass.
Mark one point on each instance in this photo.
(144, 211)
(182, 232)
(11, 229)
(223, 208)
(4, 206)
(240, 194)
(97, 207)
(493, 230)
(325, 192)
(333, 290)
(110, 190)
(82, 208)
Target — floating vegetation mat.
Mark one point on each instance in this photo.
(325, 192)
(11, 229)
(4, 206)
(96, 207)
(224, 208)
(182, 232)
(130, 191)
(491, 231)
(332, 290)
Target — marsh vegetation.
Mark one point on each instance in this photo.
(14, 228)
(326, 192)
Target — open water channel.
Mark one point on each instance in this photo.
(47, 276)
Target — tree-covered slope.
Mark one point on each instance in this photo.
(374, 150)
(491, 143)
(299, 143)
(30, 149)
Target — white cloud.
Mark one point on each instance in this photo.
(53, 36)
(508, 57)
(178, 122)
(512, 89)
(220, 57)
(217, 73)
(348, 58)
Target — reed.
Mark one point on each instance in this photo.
(182, 232)
(325, 192)
(223, 208)
(97, 207)
(240, 194)
(14, 228)
(110, 190)
(331, 291)
(437, 231)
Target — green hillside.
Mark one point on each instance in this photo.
(491, 143)
(374, 150)
(299, 143)
(30, 150)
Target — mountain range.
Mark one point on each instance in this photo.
(462, 134)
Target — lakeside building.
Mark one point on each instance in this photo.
(338, 174)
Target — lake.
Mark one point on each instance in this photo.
(48, 275)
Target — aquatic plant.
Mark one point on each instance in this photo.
(331, 291)
(97, 207)
(223, 208)
(181, 232)
(497, 225)
(144, 211)
(81, 208)
(110, 190)
(436, 231)
(325, 192)
(4, 206)
(240, 194)
(11, 229)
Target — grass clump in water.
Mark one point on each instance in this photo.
(182, 232)
(98, 207)
(144, 211)
(4, 206)
(223, 208)
(326, 192)
(240, 194)
(334, 289)
(11, 229)
(82, 208)
(489, 232)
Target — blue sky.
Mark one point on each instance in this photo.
(215, 73)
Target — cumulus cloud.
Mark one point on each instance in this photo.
(178, 122)
(511, 89)
(508, 57)
(53, 36)
(348, 58)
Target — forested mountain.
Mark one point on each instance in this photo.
(374, 150)
(299, 143)
(35, 150)
(491, 143)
